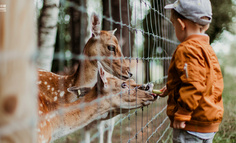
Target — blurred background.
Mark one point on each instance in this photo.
(136, 21)
(147, 39)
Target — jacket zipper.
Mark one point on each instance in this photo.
(186, 69)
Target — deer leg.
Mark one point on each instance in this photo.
(101, 131)
(110, 131)
(87, 135)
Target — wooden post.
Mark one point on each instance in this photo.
(18, 102)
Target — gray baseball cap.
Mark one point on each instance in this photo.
(193, 10)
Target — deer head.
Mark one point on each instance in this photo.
(104, 44)
(125, 94)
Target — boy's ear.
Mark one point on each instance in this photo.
(205, 28)
(182, 24)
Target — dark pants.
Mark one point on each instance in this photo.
(182, 136)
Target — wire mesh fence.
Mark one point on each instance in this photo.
(150, 45)
(146, 39)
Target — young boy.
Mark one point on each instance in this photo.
(195, 82)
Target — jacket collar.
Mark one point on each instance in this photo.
(199, 37)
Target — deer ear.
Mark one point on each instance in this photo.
(96, 25)
(101, 78)
(113, 31)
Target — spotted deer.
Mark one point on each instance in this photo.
(108, 94)
(102, 46)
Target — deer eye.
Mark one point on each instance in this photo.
(111, 48)
(123, 85)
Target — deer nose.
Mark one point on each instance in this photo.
(130, 74)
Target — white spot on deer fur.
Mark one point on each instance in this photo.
(45, 83)
(70, 84)
(42, 70)
(48, 87)
(55, 93)
(40, 112)
(59, 78)
(50, 78)
(51, 116)
(52, 89)
(43, 124)
(41, 105)
(55, 98)
(62, 94)
(40, 74)
(39, 82)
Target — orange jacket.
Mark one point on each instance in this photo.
(195, 86)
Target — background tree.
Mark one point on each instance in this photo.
(78, 29)
(47, 29)
(119, 11)
(70, 36)
(223, 13)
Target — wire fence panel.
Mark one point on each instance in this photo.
(147, 41)
(105, 94)
(146, 38)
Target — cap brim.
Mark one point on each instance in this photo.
(169, 6)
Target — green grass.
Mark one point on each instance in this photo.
(227, 132)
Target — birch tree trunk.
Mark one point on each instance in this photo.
(17, 74)
(47, 33)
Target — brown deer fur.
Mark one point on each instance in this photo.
(60, 119)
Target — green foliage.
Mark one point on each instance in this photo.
(231, 56)
(227, 132)
(223, 13)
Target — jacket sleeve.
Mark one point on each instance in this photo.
(190, 65)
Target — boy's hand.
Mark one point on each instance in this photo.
(164, 92)
(179, 124)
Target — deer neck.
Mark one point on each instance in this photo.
(86, 74)
(76, 119)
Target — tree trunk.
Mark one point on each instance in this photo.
(47, 29)
(18, 112)
(78, 29)
(124, 35)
